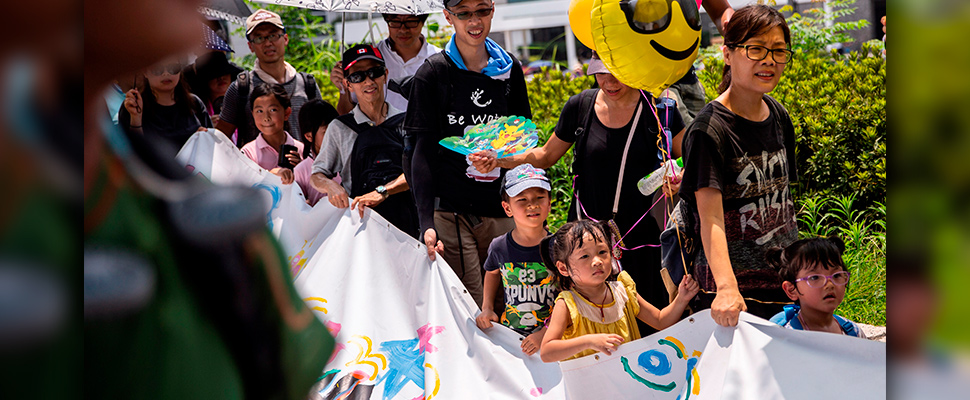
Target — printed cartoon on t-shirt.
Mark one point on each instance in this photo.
(529, 295)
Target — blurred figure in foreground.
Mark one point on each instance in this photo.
(156, 325)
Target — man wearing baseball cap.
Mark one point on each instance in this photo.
(365, 147)
(472, 81)
(404, 50)
(267, 40)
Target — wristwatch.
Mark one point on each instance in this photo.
(381, 190)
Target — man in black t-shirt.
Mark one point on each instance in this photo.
(472, 81)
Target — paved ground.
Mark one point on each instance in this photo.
(874, 332)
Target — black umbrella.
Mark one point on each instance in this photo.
(232, 10)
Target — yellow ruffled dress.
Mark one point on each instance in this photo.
(619, 316)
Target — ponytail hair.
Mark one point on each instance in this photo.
(805, 254)
(748, 22)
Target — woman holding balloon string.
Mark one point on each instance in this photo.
(615, 129)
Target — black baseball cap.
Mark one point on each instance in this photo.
(361, 52)
(451, 3)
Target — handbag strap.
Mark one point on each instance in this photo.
(626, 149)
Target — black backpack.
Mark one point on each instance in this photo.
(376, 156)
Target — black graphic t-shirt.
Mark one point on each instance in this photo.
(444, 101)
(529, 291)
(752, 164)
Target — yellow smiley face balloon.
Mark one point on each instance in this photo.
(579, 14)
(646, 44)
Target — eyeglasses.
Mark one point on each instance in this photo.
(408, 23)
(373, 73)
(689, 8)
(468, 14)
(172, 69)
(818, 280)
(271, 37)
(758, 53)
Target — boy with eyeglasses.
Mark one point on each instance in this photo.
(813, 275)
(404, 50)
(473, 81)
(267, 40)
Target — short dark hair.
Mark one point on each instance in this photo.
(804, 254)
(746, 23)
(276, 90)
(422, 17)
(314, 114)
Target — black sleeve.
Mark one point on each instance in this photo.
(569, 119)
(702, 159)
(124, 118)
(230, 106)
(496, 252)
(202, 114)
(423, 123)
(789, 128)
(518, 94)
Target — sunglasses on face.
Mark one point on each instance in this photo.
(407, 23)
(271, 37)
(373, 73)
(464, 15)
(172, 69)
(688, 8)
(818, 280)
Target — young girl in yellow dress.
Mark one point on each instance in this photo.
(596, 309)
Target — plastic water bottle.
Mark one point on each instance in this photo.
(654, 180)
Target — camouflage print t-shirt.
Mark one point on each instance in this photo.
(529, 291)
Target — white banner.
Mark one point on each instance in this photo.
(405, 326)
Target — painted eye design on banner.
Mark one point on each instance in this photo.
(657, 363)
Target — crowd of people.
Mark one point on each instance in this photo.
(598, 275)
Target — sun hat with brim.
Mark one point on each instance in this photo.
(523, 177)
(213, 65)
(596, 66)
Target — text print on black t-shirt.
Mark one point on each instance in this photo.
(762, 181)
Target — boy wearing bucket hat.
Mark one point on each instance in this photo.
(514, 261)
(473, 81)
(267, 40)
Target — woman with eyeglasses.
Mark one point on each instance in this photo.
(366, 146)
(739, 162)
(160, 106)
(473, 81)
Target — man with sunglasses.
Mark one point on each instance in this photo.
(365, 147)
(404, 50)
(267, 40)
(473, 81)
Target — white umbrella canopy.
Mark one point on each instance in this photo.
(413, 7)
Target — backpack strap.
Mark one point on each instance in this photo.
(348, 119)
(310, 86)
(587, 103)
(847, 326)
(243, 86)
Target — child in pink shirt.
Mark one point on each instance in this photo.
(271, 109)
(314, 117)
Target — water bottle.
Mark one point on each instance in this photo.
(654, 180)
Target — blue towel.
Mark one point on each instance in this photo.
(499, 62)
